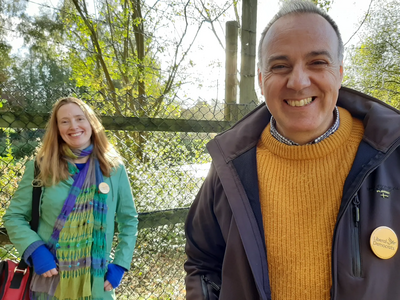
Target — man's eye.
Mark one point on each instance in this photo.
(319, 62)
(278, 67)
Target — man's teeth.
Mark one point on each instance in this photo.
(299, 102)
(76, 134)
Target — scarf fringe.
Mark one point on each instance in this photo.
(44, 296)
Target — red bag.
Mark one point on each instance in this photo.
(14, 280)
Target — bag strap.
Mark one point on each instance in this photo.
(36, 194)
(4, 277)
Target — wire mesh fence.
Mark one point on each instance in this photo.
(163, 146)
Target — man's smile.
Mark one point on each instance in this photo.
(301, 102)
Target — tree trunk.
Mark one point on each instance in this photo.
(248, 57)
(231, 70)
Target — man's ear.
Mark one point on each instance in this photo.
(341, 71)
(340, 79)
(260, 80)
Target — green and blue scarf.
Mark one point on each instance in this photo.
(78, 240)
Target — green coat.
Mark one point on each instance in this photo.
(120, 205)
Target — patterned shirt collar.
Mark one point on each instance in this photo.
(286, 141)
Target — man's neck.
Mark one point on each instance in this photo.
(305, 139)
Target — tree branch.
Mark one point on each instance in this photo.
(93, 37)
(365, 18)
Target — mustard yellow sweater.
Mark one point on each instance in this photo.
(300, 194)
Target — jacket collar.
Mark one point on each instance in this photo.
(381, 123)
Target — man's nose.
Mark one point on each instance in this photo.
(298, 79)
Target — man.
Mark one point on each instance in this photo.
(303, 197)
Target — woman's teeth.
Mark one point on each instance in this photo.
(76, 134)
(299, 102)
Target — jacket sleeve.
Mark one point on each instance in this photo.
(19, 213)
(205, 243)
(127, 220)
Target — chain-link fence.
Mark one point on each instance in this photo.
(163, 146)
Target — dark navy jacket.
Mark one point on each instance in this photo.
(227, 257)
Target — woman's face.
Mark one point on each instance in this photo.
(73, 126)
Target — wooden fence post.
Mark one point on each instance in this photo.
(231, 70)
(248, 95)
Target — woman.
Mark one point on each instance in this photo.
(85, 186)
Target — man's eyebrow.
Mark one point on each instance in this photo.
(320, 52)
(273, 58)
(276, 57)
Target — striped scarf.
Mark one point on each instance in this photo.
(78, 240)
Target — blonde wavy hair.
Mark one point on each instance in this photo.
(50, 158)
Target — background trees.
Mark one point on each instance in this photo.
(373, 65)
(128, 57)
(135, 59)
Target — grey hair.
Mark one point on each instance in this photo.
(301, 7)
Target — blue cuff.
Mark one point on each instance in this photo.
(28, 252)
(114, 274)
(43, 260)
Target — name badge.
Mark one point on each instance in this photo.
(104, 188)
(384, 242)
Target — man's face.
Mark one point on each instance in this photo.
(300, 75)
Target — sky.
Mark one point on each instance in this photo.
(209, 80)
(348, 14)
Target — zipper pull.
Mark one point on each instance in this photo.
(356, 202)
(213, 284)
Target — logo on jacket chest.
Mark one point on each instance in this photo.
(384, 194)
(384, 191)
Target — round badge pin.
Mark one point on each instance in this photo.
(384, 242)
(104, 188)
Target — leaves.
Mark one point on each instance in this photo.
(374, 63)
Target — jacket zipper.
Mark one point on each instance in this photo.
(333, 296)
(392, 148)
(204, 283)
(356, 260)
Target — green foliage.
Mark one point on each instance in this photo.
(110, 53)
(5, 62)
(8, 252)
(2, 102)
(324, 4)
(125, 59)
(374, 63)
(24, 142)
(158, 262)
(42, 75)
(165, 176)
(11, 172)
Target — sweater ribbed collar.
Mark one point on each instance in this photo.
(282, 139)
(309, 151)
